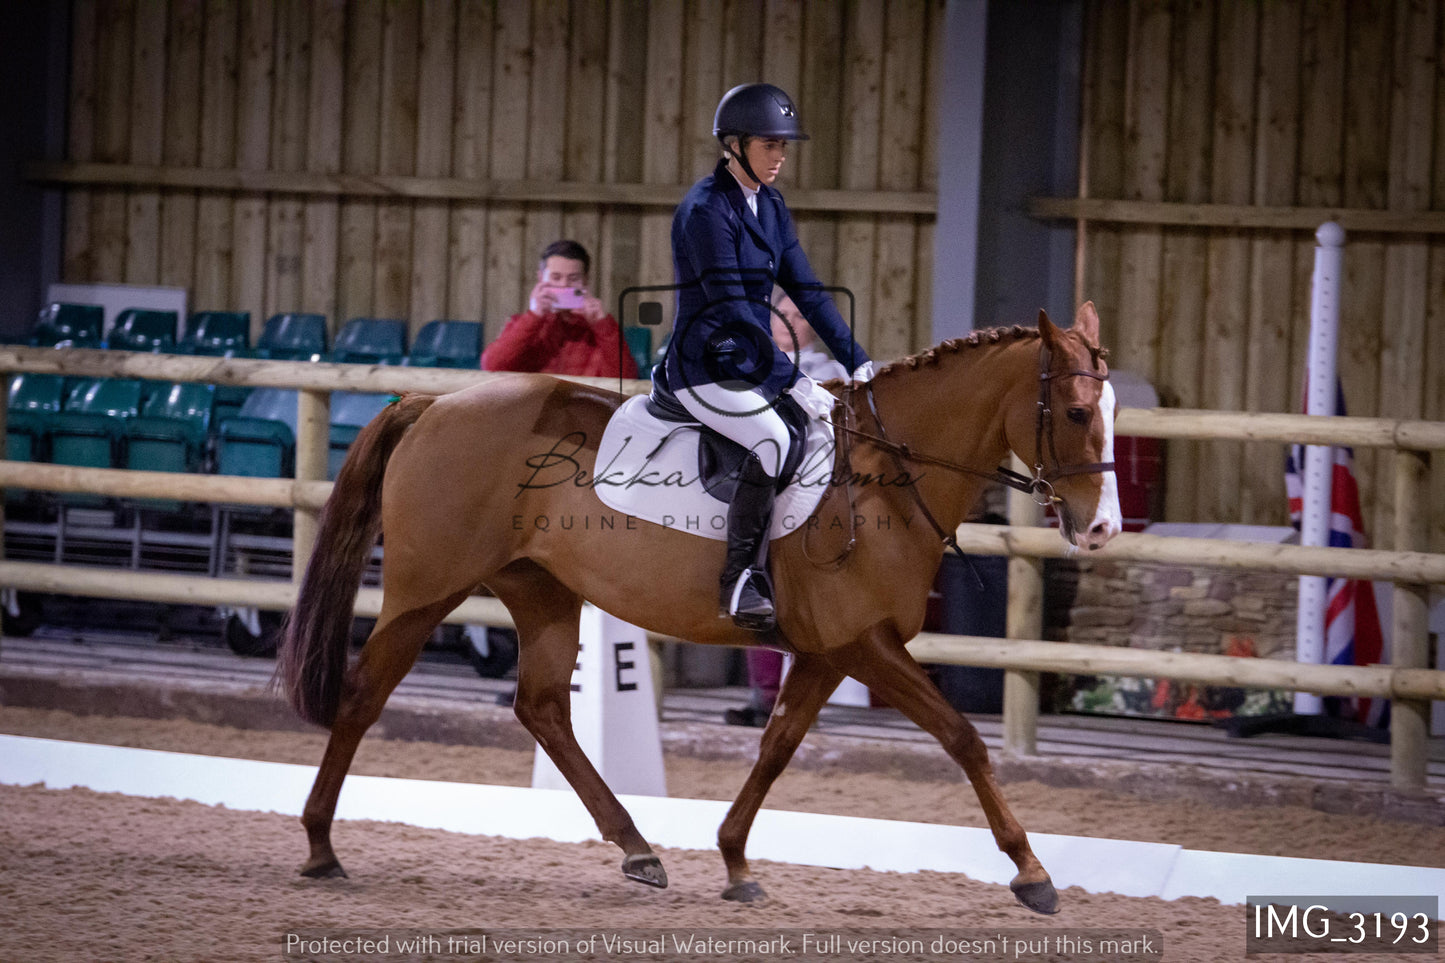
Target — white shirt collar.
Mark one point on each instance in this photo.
(750, 194)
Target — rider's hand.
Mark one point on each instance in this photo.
(816, 400)
(863, 373)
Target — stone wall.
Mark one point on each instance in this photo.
(1181, 609)
(1168, 608)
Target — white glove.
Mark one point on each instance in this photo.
(863, 373)
(816, 400)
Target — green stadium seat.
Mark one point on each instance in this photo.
(218, 333)
(36, 393)
(34, 398)
(138, 330)
(111, 397)
(350, 412)
(370, 341)
(87, 432)
(68, 326)
(293, 337)
(639, 343)
(227, 402)
(170, 434)
(260, 442)
(447, 344)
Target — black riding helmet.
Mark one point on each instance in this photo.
(756, 110)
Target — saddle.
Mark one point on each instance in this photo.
(656, 463)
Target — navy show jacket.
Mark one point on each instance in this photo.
(725, 262)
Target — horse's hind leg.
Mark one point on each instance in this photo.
(390, 651)
(809, 683)
(880, 661)
(547, 614)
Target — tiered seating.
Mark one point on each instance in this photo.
(371, 341)
(121, 423)
(447, 344)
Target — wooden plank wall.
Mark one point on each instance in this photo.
(585, 91)
(1306, 103)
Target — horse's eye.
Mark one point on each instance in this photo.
(1079, 416)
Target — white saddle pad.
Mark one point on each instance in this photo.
(661, 485)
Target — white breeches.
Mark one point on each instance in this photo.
(746, 416)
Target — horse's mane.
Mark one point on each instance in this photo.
(934, 354)
(974, 339)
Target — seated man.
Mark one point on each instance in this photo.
(564, 329)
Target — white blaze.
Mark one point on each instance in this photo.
(1108, 518)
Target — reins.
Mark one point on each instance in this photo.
(1039, 485)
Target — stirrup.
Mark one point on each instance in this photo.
(758, 616)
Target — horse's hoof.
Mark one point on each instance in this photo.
(329, 868)
(645, 868)
(1041, 897)
(748, 891)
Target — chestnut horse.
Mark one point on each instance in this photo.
(446, 479)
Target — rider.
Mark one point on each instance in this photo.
(732, 239)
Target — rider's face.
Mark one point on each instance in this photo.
(766, 155)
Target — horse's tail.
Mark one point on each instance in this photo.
(311, 661)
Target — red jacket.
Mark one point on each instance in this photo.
(562, 342)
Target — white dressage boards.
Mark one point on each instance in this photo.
(842, 842)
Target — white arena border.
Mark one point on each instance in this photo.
(840, 842)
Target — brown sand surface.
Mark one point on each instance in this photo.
(90, 876)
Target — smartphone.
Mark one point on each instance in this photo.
(568, 299)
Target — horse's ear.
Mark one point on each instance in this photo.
(1086, 322)
(1047, 330)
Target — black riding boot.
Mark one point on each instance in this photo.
(745, 590)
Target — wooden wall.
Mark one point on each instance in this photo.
(439, 93)
(1277, 105)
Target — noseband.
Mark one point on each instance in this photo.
(1039, 486)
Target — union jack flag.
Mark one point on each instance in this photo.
(1352, 622)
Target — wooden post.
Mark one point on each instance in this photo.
(1410, 718)
(1025, 621)
(313, 436)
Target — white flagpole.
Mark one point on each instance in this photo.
(1319, 459)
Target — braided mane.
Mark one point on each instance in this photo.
(974, 339)
(954, 345)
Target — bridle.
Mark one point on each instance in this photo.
(1039, 486)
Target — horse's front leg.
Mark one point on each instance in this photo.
(880, 661)
(809, 683)
(546, 613)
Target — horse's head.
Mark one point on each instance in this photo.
(1066, 434)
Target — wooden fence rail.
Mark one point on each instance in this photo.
(1407, 681)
